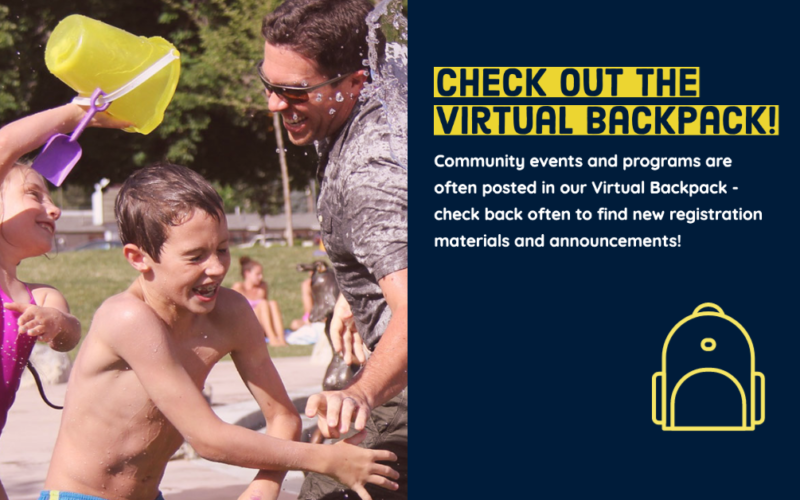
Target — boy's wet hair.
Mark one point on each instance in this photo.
(159, 196)
(332, 33)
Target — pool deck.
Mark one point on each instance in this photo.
(30, 433)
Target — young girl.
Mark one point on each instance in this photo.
(27, 226)
(254, 288)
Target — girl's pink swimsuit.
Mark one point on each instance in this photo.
(15, 350)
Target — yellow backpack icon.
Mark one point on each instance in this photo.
(700, 349)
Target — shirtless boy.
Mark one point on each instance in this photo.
(134, 393)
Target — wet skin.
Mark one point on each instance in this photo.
(138, 376)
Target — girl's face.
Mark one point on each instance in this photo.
(29, 215)
(254, 276)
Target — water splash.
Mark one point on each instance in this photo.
(390, 72)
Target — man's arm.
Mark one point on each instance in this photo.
(252, 360)
(384, 376)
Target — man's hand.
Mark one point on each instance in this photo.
(36, 321)
(344, 335)
(335, 410)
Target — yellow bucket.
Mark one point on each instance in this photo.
(139, 74)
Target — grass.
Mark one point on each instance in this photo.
(87, 278)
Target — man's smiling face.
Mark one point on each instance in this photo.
(327, 108)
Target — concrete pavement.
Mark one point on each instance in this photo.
(27, 440)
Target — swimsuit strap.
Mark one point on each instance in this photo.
(41, 387)
(6, 298)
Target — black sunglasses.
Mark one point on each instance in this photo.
(294, 94)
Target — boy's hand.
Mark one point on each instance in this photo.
(344, 335)
(336, 409)
(37, 321)
(356, 467)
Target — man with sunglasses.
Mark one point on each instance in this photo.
(313, 75)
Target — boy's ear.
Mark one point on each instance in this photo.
(136, 257)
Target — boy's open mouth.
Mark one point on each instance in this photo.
(206, 291)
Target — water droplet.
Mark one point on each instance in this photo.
(277, 150)
(365, 62)
(332, 111)
(339, 97)
(294, 117)
(366, 72)
(319, 97)
(304, 83)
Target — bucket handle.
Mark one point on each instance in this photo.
(97, 96)
(131, 85)
(710, 305)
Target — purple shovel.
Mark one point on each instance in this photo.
(62, 152)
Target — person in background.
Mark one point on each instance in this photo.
(255, 290)
(308, 303)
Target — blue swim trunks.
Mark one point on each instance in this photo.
(66, 495)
